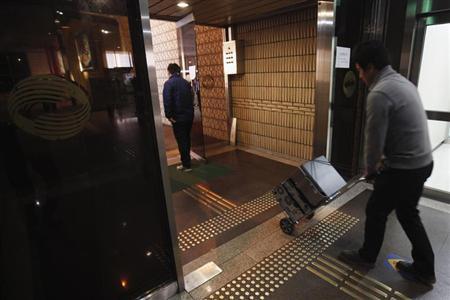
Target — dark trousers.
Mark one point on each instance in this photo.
(398, 190)
(182, 132)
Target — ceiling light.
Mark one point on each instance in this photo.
(182, 4)
(124, 283)
(59, 12)
(104, 31)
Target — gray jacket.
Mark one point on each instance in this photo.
(396, 124)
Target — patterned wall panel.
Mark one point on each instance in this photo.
(166, 50)
(274, 100)
(125, 38)
(210, 70)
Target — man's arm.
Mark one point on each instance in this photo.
(377, 122)
(168, 101)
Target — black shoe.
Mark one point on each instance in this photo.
(408, 271)
(352, 256)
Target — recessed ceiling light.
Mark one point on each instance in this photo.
(182, 4)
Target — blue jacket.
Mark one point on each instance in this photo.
(178, 99)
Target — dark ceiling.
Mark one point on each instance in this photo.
(222, 12)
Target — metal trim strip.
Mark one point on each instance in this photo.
(324, 277)
(144, 15)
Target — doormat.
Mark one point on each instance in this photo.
(200, 173)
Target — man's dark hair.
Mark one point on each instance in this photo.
(173, 68)
(371, 52)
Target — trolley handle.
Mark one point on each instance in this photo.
(351, 183)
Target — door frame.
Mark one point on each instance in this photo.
(422, 20)
(198, 146)
(144, 16)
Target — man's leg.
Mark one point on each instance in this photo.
(379, 206)
(178, 133)
(188, 129)
(408, 216)
(186, 155)
(181, 131)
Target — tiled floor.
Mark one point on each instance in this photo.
(247, 249)
(243, 255)
(437, 224)
(250, 178)
(440, 179)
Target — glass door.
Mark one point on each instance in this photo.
(82, 207)
(188, 53)
(431, 73)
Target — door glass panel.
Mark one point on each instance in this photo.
(82, 208)
(440, 178)
(434, 75)
(177, 45)
(189, 65)
(434, 88)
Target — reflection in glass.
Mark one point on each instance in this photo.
(82, 209)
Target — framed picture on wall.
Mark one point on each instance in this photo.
(85, 55)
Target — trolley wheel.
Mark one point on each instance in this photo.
(287, 226)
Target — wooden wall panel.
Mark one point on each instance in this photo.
(274, 100)
(166, 50)
(210, 71)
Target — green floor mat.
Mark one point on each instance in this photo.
(201, 173)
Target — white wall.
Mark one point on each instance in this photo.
(434, 79)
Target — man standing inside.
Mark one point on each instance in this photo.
(179, 109)
(397, 149)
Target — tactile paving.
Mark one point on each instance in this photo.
(213, 227)
(275, 270)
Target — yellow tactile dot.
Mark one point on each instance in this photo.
(276, 269)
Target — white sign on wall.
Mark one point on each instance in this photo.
(192, 72)
(233, 60)
(343, 57)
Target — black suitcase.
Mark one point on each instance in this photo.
(307, 190)
(314, 184)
